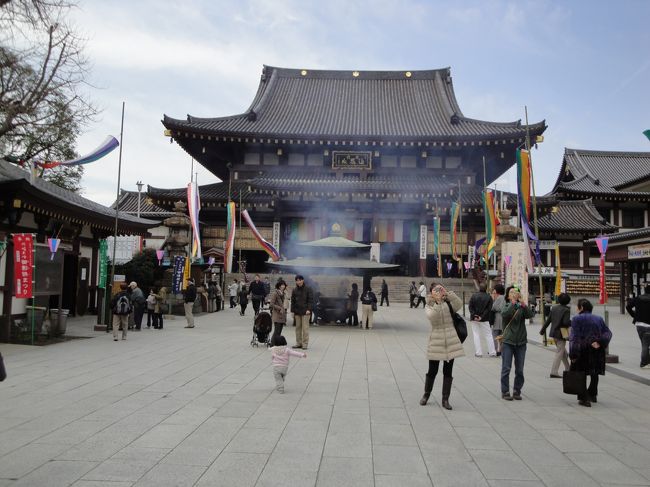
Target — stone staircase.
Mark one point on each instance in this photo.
(339, 286)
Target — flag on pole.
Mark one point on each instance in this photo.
(558, 271)
(53, 244)
(524, 205)
(109, 144)
(491, 223)
(455, 211)
(230, 237)
(267, 246)
(194, 206)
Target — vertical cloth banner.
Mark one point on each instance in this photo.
(436, 243)
(524, 202)
(230, 237)
(103, 263)
(267, 246)
(23, 264)
(491, 222)
(455, 211)
(194, 206)
(177, 276)
(53, 244)
(602, 247)
(558, 271)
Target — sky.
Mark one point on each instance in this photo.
(583, 66)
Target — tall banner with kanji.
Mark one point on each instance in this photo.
(177, 276)
(23, 265)
(558, 271)
(103, 263)
(491, 222)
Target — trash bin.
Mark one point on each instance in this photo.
(35, 314)
(58, 327)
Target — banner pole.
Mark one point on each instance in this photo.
(33, 283)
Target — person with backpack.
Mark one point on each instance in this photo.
(121, 308)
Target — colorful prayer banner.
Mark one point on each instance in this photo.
(491, 223)
(524, 203)
(188, 272)
(602, 247)
(109, 144)
(53, 244)
(230, 238)
(267, 246)
(194, 206)
(558, 271)
(455, 211)
(647, 133)
(23, 264)
(159, 255)
(103, 263)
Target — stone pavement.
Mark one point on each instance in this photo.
(197, 407)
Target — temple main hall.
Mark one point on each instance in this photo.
(378, 152)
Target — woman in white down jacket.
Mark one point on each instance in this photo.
(444, 344)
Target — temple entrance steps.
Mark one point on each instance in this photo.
(340, 285)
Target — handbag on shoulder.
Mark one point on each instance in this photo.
(459, 324)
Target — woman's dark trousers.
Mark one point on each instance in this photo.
(353, 318)
(277, 329)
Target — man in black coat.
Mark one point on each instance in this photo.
(257, 292)
(639, 309)
(302, 303)
(189, 296)
(480, 305)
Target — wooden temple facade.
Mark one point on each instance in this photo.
(379, 152)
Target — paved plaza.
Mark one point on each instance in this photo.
(197, 407)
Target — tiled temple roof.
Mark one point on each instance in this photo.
(215, 191)
(370, 105)
(129, 204)
(603, 173)
(73, 205)
(574, 216)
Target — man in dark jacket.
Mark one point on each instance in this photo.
(257, 292)
(302, 303)
(189, 296)
(480, 305)
(639, 309)
(139, 302)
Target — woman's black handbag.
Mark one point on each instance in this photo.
(459, 324)
(3, 371)
(574, 382)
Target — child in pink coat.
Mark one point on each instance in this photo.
(280, 353)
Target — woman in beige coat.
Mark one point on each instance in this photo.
(444, 343)
(278, 308)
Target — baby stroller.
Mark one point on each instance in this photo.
(262, 327)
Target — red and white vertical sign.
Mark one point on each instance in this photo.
(23, 264)
(602, 247)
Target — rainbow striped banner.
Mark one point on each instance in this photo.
(109, 144)
(230, 237)
(524, 200)
(455, 211)
(194, 206)
(491, 223)
(267, 246)
(436, 243)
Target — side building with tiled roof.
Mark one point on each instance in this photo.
(379, 152)
(69, 277)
